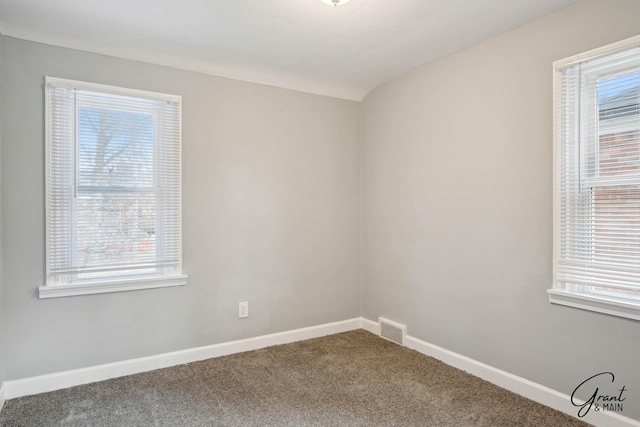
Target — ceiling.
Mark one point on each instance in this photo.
(306, 45)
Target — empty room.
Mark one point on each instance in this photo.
(320, 213)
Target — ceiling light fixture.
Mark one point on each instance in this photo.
(334, 2)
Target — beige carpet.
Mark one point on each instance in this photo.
(349, 379)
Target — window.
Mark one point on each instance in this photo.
(597, 181)
(113, 189)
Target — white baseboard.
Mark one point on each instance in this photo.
(57, 381)
(529, 389)
(2, 398)
(371, 326)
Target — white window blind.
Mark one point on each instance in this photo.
(597, 181)
(113, 188)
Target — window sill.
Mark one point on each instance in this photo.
(88, 288)
(591, 303)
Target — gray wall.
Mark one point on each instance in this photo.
(271, 212)
(458, 206)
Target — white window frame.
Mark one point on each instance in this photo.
(60, 285)
(602, 301)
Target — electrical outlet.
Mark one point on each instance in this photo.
(243, 309)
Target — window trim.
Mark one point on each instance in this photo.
(101, 287)
(558, 294)
(592, 303)
(109, 284)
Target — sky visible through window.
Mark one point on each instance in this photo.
(614, 86)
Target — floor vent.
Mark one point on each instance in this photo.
(392, 331)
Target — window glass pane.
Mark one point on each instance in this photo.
(619, 96)
(115, 148)
(619, 125)
(616, 238)
(115, 229)
(619, 154)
